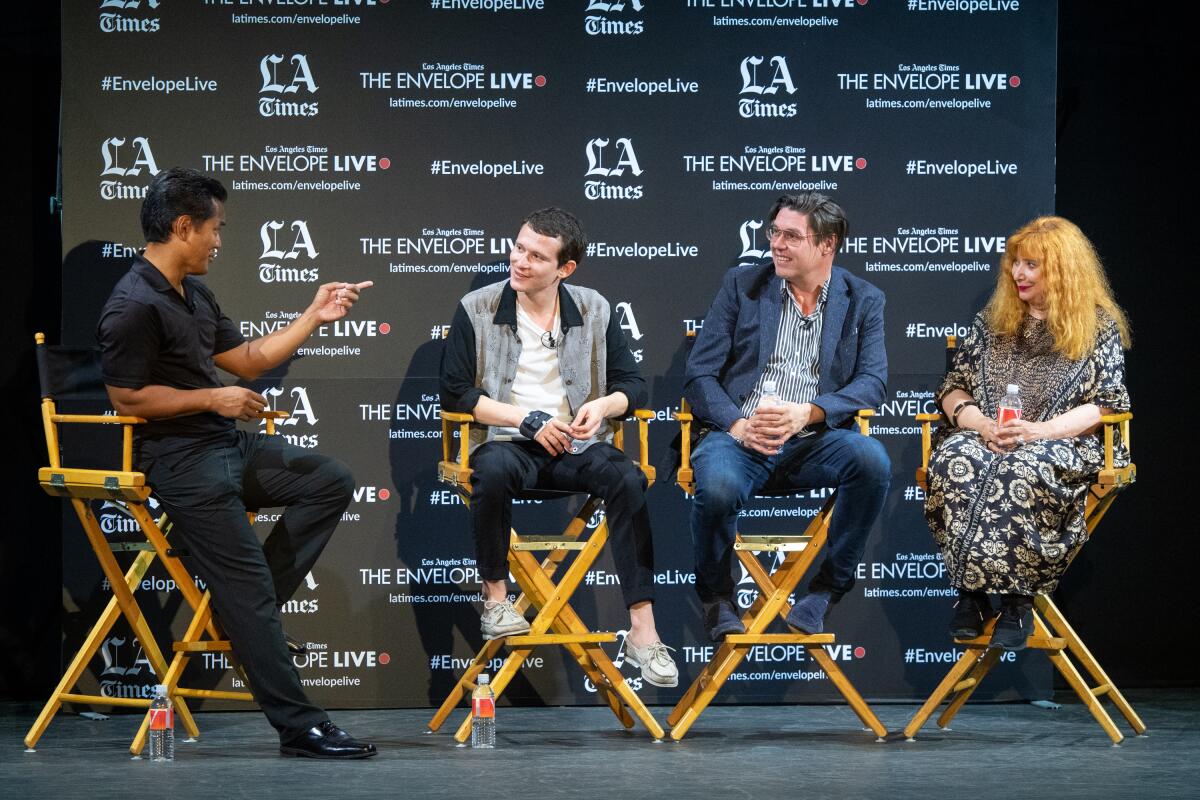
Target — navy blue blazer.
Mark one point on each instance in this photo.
(739, 334)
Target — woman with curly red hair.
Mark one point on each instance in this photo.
(1006, 501)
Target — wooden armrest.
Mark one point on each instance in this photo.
(1110, 420)
(863, 418)
(464, 438)
(929, 417)
(97, 419)
(643, 417)
(272, 415)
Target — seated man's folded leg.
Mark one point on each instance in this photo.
(859, 468)
(604, 471)
(499, 471)
(726, 476)
(313, 489)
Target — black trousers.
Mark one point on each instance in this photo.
(503, 469)
(206, 487)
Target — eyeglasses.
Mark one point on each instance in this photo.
(790, 237)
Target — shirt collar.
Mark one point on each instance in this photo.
(506, 311)
(787, 295)
(150, 273)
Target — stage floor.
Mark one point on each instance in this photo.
(1002, 751)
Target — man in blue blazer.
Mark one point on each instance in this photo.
(790, 349)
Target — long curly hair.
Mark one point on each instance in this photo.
(1076, 287)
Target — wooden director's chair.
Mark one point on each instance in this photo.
(1051, 631)
(67, 372)
(774, 589)
(556, 622)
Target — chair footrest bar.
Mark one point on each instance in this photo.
(1102, 690)
(965, 683)
(538, 639)
(96, 700)
(741, 639)
(772, 544)
(531, 543)
(202, 647)
(214, 694)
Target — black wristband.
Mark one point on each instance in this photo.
(959, 408)
(533, 423)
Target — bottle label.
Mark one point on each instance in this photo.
(162, 719)
(1008, 413)
(483, 707)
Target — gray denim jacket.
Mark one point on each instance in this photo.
(483, 350)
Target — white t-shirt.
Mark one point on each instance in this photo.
(538, 385)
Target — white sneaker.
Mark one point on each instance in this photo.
(658, 668)
(501, 619)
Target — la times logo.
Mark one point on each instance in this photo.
(762, 79)
(611, 162)
(295, 401)
(749, 232)
(281, 99)
(273, 270)
(120, 19)
(612, 18)
(629, 324)
(134, 151)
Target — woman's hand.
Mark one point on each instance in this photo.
(1017, 432)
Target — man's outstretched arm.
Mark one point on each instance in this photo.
(251, 359)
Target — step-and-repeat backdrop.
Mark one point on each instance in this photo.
(401, 142)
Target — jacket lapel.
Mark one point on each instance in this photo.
(769, 309)
(836, 306)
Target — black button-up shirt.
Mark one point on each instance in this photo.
(151, 335)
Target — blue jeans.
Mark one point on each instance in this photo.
(727, 475)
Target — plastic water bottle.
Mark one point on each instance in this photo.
(770, 395)
(770, 399)
(483, 709)
(1010, 406)
(162, 726)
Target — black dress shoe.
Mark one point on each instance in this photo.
(1015, 623)
(326, 741)
(294, 645)
(971, 613)
(720, 618)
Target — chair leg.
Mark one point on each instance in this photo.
(618, 684)
(706, 686)
(847, 689)
(87, 651)
(964, 664)
(963, 692)
(481, 660)
(1075, 644)
(505, 674)
(1080, 686)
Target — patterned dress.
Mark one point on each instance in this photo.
(1011, 523)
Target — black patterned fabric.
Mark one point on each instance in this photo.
(1011, 523)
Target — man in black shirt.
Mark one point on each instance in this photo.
(163, 335)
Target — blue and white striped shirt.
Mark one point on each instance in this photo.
(795, 363)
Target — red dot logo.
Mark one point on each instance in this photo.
(385, 328)
(1014, 81)
(384, 494)
(384, 659)
(860, 163)
(860, 651)
(860, 2)
(539, 81)
(385, 163)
